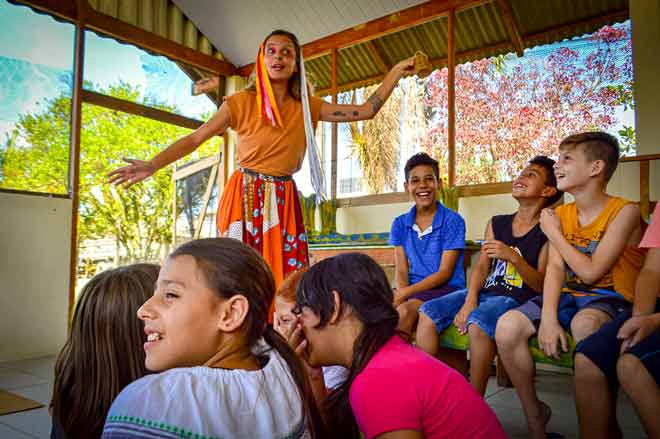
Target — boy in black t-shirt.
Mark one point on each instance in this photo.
(509, 272)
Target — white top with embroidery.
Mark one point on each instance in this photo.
(203, 402)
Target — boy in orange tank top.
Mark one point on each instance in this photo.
(593, 261)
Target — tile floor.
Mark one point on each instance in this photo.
(33, 379)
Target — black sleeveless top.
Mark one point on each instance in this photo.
(504, 279)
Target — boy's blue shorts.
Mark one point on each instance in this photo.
(490, 308)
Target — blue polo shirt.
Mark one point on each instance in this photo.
(424, 248)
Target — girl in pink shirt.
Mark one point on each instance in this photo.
(393, 390)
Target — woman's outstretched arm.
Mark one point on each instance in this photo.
(138, 170)
(350, 113)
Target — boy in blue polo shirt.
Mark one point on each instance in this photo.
(429, 241)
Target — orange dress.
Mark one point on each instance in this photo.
(260, 204)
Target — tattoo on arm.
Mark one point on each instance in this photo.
(339, 113)
(376, 102)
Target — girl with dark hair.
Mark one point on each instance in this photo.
(274, 119)
(393, 390)
(284, 322)
(224, 371)
(103, 353)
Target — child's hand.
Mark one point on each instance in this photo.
(551, 335)
(460, 320)
(297, 340)
(283, 328)
(550, 223)
(400, 295)
(298, 343)
(498, 250)
(637, 329)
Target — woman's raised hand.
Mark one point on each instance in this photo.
(405, 67)
(135, 172)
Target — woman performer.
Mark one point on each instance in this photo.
(274, 119)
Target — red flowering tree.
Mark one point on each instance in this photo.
(509, 110)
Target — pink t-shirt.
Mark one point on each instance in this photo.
(651, 238)
(403, 388)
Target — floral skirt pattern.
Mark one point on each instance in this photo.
(264, 212)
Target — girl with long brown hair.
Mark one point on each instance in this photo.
(103, 353)
(224, 372)
(274, 119)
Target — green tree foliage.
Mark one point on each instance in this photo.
(36, 158)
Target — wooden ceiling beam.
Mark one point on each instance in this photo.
(436, 62)
(66, 9)
(131, 34)
(403, 19)
(615, 16)
(113, 103)
(134, 35)
(511, 26)
(373, 29)
(378, 57)
(441, 62)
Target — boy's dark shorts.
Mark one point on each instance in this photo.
(569, 305)
(648, 352)
(603, 348)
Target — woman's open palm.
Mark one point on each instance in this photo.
(135, 172)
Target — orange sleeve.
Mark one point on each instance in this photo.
(232, 105)
(240, 109)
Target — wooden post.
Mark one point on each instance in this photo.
(333, 91)
(207, 196)
(511, 26)
(74, 150)
(451, 97)
(175, 214)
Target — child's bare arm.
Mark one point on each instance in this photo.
(530, 275)
(534, 277)
(481, 269)
(648, 284)
(477, 280)
(447, 264)
(400, 267)
(550, 331)
(616, 238)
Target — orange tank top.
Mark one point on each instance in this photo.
(264, 148)
(623, 274)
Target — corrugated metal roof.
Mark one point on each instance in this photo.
(165, 19)
(237, 27)
(480, 33)
(161, 17)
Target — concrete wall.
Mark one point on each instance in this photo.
(645, 17)
(34, 275)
